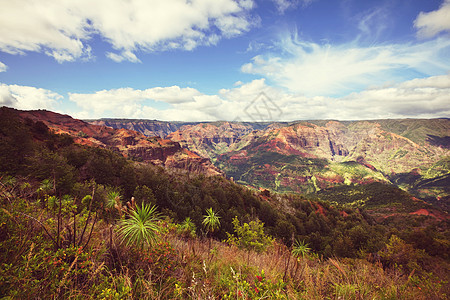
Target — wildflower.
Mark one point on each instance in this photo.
(256, 290)
(259, 278)
(239, 294)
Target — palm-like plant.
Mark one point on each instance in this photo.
(300, 248)
(211, 220)
(141, 227)
(112, 199)
(188, 227)
(113, 204)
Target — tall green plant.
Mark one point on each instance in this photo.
(112, 199)
(187, 227)
(113, 208)
(211, 220)
(300, 248)
(141, 227)
(249, 236)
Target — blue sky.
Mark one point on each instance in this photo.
(205, 60)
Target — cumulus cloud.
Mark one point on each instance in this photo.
(169, 103)
(418, 98)
(27, 97)
(427, 97)
(43, 26)
(128, 102)
(62, 29)
(429, 24)
(334, 70)
(3, 67)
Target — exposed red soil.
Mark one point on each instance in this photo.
(425, 212)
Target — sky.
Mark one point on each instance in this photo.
(208, 60)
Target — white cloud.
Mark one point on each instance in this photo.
(27, 97)
(424, 98)
(418, 98)
(248, 91)
(126, 55)
(43, 26)
(173, 94)
(373, 23)
(128, 102)
(429, 24)
(3, 67)
(283, 5)
(62, 29)
(185, 104)
(322, 69)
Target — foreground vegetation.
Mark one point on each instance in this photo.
(45, 259)
(80, 222)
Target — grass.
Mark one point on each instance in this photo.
(302, 278)
(196, 269)
(181, 266)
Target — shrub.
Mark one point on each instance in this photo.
(141, 227)
(249, 236)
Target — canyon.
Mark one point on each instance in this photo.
(310, 156)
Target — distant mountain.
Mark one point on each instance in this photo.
(131, 144)
(146, 127)
(309, 156)
(163, 128)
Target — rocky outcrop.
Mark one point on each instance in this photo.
(209, 139)
(363, 142)
(307, 157)
(131, 144)
(146, 127)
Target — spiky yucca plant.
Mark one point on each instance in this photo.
(300, 248)
(211, 220)
(188, 227)
(112, 199)
(141, 227)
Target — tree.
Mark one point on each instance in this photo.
(141, 227)
(249, 236)
(113, 204)
(144, 194)
(211, 220)
(398, 253)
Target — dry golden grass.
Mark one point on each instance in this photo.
(306, 278)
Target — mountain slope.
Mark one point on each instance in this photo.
(146, 127)
(306, 157)
(309, 156)
(130, 143)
